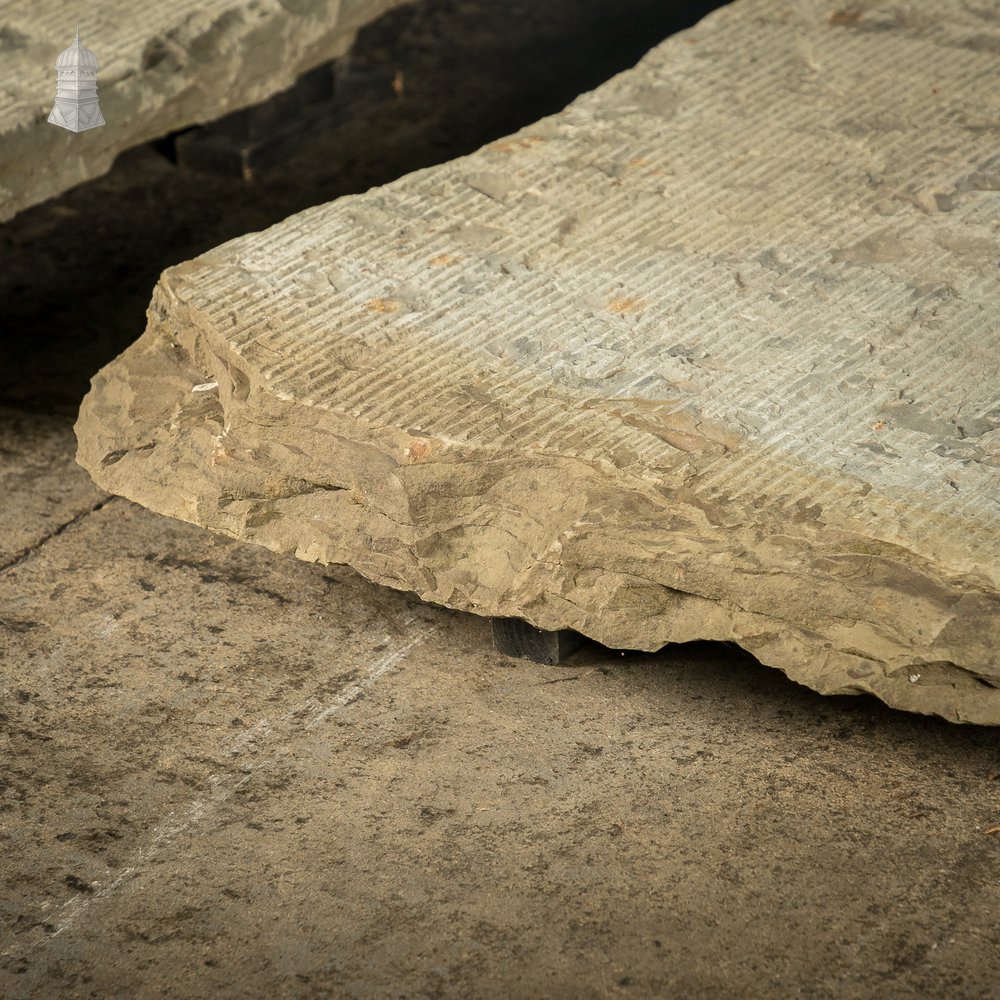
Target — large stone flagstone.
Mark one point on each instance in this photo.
(714, 353)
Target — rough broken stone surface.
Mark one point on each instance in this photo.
(163, 66)
(712, 354)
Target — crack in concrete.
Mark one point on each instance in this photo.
(223, 785)
(30, 550)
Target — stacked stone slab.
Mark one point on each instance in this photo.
(164, 66)
(711, 354)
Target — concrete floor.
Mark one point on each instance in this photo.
(228, 773)
(231, 774)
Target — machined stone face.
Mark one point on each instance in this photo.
(163, 66)
(712, 354)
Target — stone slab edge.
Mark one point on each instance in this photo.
(326, 487)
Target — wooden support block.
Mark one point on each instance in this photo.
(515, 637)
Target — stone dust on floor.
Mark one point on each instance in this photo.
(232, 773)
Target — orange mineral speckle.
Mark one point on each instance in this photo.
(846, 17)
(626, 305)
(519, 142)
(443, 260)
(383, 305)
(419, 450)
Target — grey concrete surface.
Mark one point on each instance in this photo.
(234, 774)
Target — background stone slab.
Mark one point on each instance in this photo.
(163, 66)
(688, 360)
